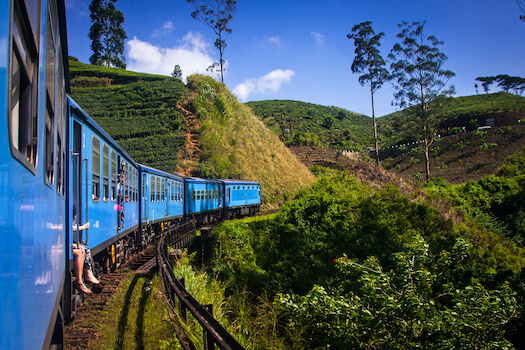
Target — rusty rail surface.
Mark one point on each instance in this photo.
(213, 332)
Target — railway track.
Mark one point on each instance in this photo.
(79, 332)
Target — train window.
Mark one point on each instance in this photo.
(61, 126)
(105, 173)
(96, 169)
(23, 117)
(114, 171)
(127, 169)
(172, 190)
(50, 83)
(162, 190)
(144, 194)
(153, 188)
(158, 189)
(193, 196)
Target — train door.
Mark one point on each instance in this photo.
(167, 196)
(145, 197)
(80, 187)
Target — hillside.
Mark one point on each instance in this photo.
(498, 109)
(463, 157)
(301, 123)
(210, 134)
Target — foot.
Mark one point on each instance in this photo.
(83, 288)
(90, 277)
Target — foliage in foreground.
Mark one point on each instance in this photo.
(351, 266)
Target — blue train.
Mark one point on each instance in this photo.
(53, 158)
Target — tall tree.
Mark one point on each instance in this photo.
(486, 82)
(217, 15)
(369, 62)
(107, 34)
(419, 77)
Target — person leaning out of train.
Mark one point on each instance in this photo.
(82, 261)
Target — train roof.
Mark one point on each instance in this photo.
(199, 180)
(160, 172)
(100, 131)
(239, 182)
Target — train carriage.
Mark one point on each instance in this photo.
(241, 197)
(104, 188)
(162, 199)
(203, 199)
(34, 82)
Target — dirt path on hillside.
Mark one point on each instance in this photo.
(190, 157)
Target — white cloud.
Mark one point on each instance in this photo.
(191, 55)
(318, 37)
(270, 82)
(166, 29)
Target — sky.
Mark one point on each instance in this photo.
(299, 50)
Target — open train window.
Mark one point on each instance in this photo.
(23, 69)
(114, 172)
(105, 173)
(153, 188)
(158, 190)
(95, 164)
(162, 190)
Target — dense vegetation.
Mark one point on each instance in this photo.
(310, 124)
(351, 266)
(300, 123)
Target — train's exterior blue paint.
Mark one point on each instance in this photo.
(103, 184)
(203, 196)
(241, 193)
(54, 157)
(33, 84)
(162, 195)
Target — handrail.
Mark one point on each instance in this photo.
(213, 331)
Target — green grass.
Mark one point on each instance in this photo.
(135, 318)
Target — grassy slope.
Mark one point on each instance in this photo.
(236, 144)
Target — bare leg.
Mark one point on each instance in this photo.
(78, 266)
(78, 263)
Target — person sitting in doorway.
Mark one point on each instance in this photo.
(82, 261)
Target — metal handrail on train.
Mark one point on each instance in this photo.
(213, 331)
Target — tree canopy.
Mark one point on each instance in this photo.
(107, 34)
(369, 62)
(419, 77)
(217, 15)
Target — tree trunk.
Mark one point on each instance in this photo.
(427, 159)
(375, 125)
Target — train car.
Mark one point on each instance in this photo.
(241, 197)
(104, 189)
(34, 81)
(162, 200)
(204, 199)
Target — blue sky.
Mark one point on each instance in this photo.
(298, 50)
